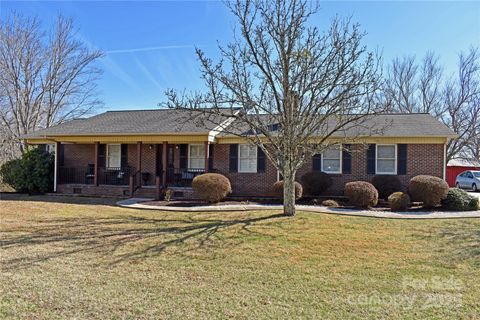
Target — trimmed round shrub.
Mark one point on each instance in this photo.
(212, 187)
(278, 189)
(330, 203)
(361, 194)
(459, 200)
(428, 189)
(399, 201)
(386, 185)
(316, 182)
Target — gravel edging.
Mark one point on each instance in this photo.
(136, 203)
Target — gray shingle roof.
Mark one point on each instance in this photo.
(167, 121)
(160, 121)
(385, 125)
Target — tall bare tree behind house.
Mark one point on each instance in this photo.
(45, 78)
(455, 100)
(288, 85)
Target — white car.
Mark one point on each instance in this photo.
(468, 180)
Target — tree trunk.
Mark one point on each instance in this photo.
(289, 195)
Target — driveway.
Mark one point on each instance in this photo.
(475, 194)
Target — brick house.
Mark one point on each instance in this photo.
(125, 153)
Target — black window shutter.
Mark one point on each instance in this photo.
(124, 156)
(260, 160)
(347, 159)
(101, 155)
(371, 155)
(234, 158)
(402, 159)
(210, 157)
(317, 162)
(183, 156)
(61, 155)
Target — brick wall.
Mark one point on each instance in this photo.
(78, 155)
(91, 190)
(245, 184)
(422, 159)
(148, 160)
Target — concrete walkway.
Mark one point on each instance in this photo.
(136, 203)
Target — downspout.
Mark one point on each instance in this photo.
(55, 168)
(445, 160)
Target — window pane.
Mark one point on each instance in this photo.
(386, 166)
(243, 151)
(332, 153)
(114, 152)
(197, 163)
(196, 159)
(386, 152)
(331, 165)
(248, 165)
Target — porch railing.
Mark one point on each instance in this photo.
(183, 177)
(115, 176)
(121, 176)
(76, 175)
(86, 175)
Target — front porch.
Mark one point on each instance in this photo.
(126, 169)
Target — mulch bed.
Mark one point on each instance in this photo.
(382, 207)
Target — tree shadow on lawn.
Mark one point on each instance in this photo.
(12, 196)
(459, 241)
(122, 239)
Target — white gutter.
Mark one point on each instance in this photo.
(222, 126)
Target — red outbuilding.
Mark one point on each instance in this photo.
(457, 166)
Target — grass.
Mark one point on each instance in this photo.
(87, 259)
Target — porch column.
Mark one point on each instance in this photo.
(95, 164)
(207, 153)
(55, 168)
(164, 163)
(139, 162)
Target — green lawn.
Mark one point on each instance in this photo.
(83, 258)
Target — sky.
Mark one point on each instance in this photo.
(150, 46)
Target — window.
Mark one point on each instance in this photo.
(196, 156)
(331, 160)
(113, 155)
(247, 158)
(386, 159)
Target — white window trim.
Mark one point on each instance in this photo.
(189, 157)
(239, 158)
(395, 156)
(340, 149)
(108, 155)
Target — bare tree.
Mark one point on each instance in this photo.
(411, 87)
(461, 98)
(285, 83)
(45, 78)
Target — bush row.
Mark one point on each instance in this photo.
(431, 191)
